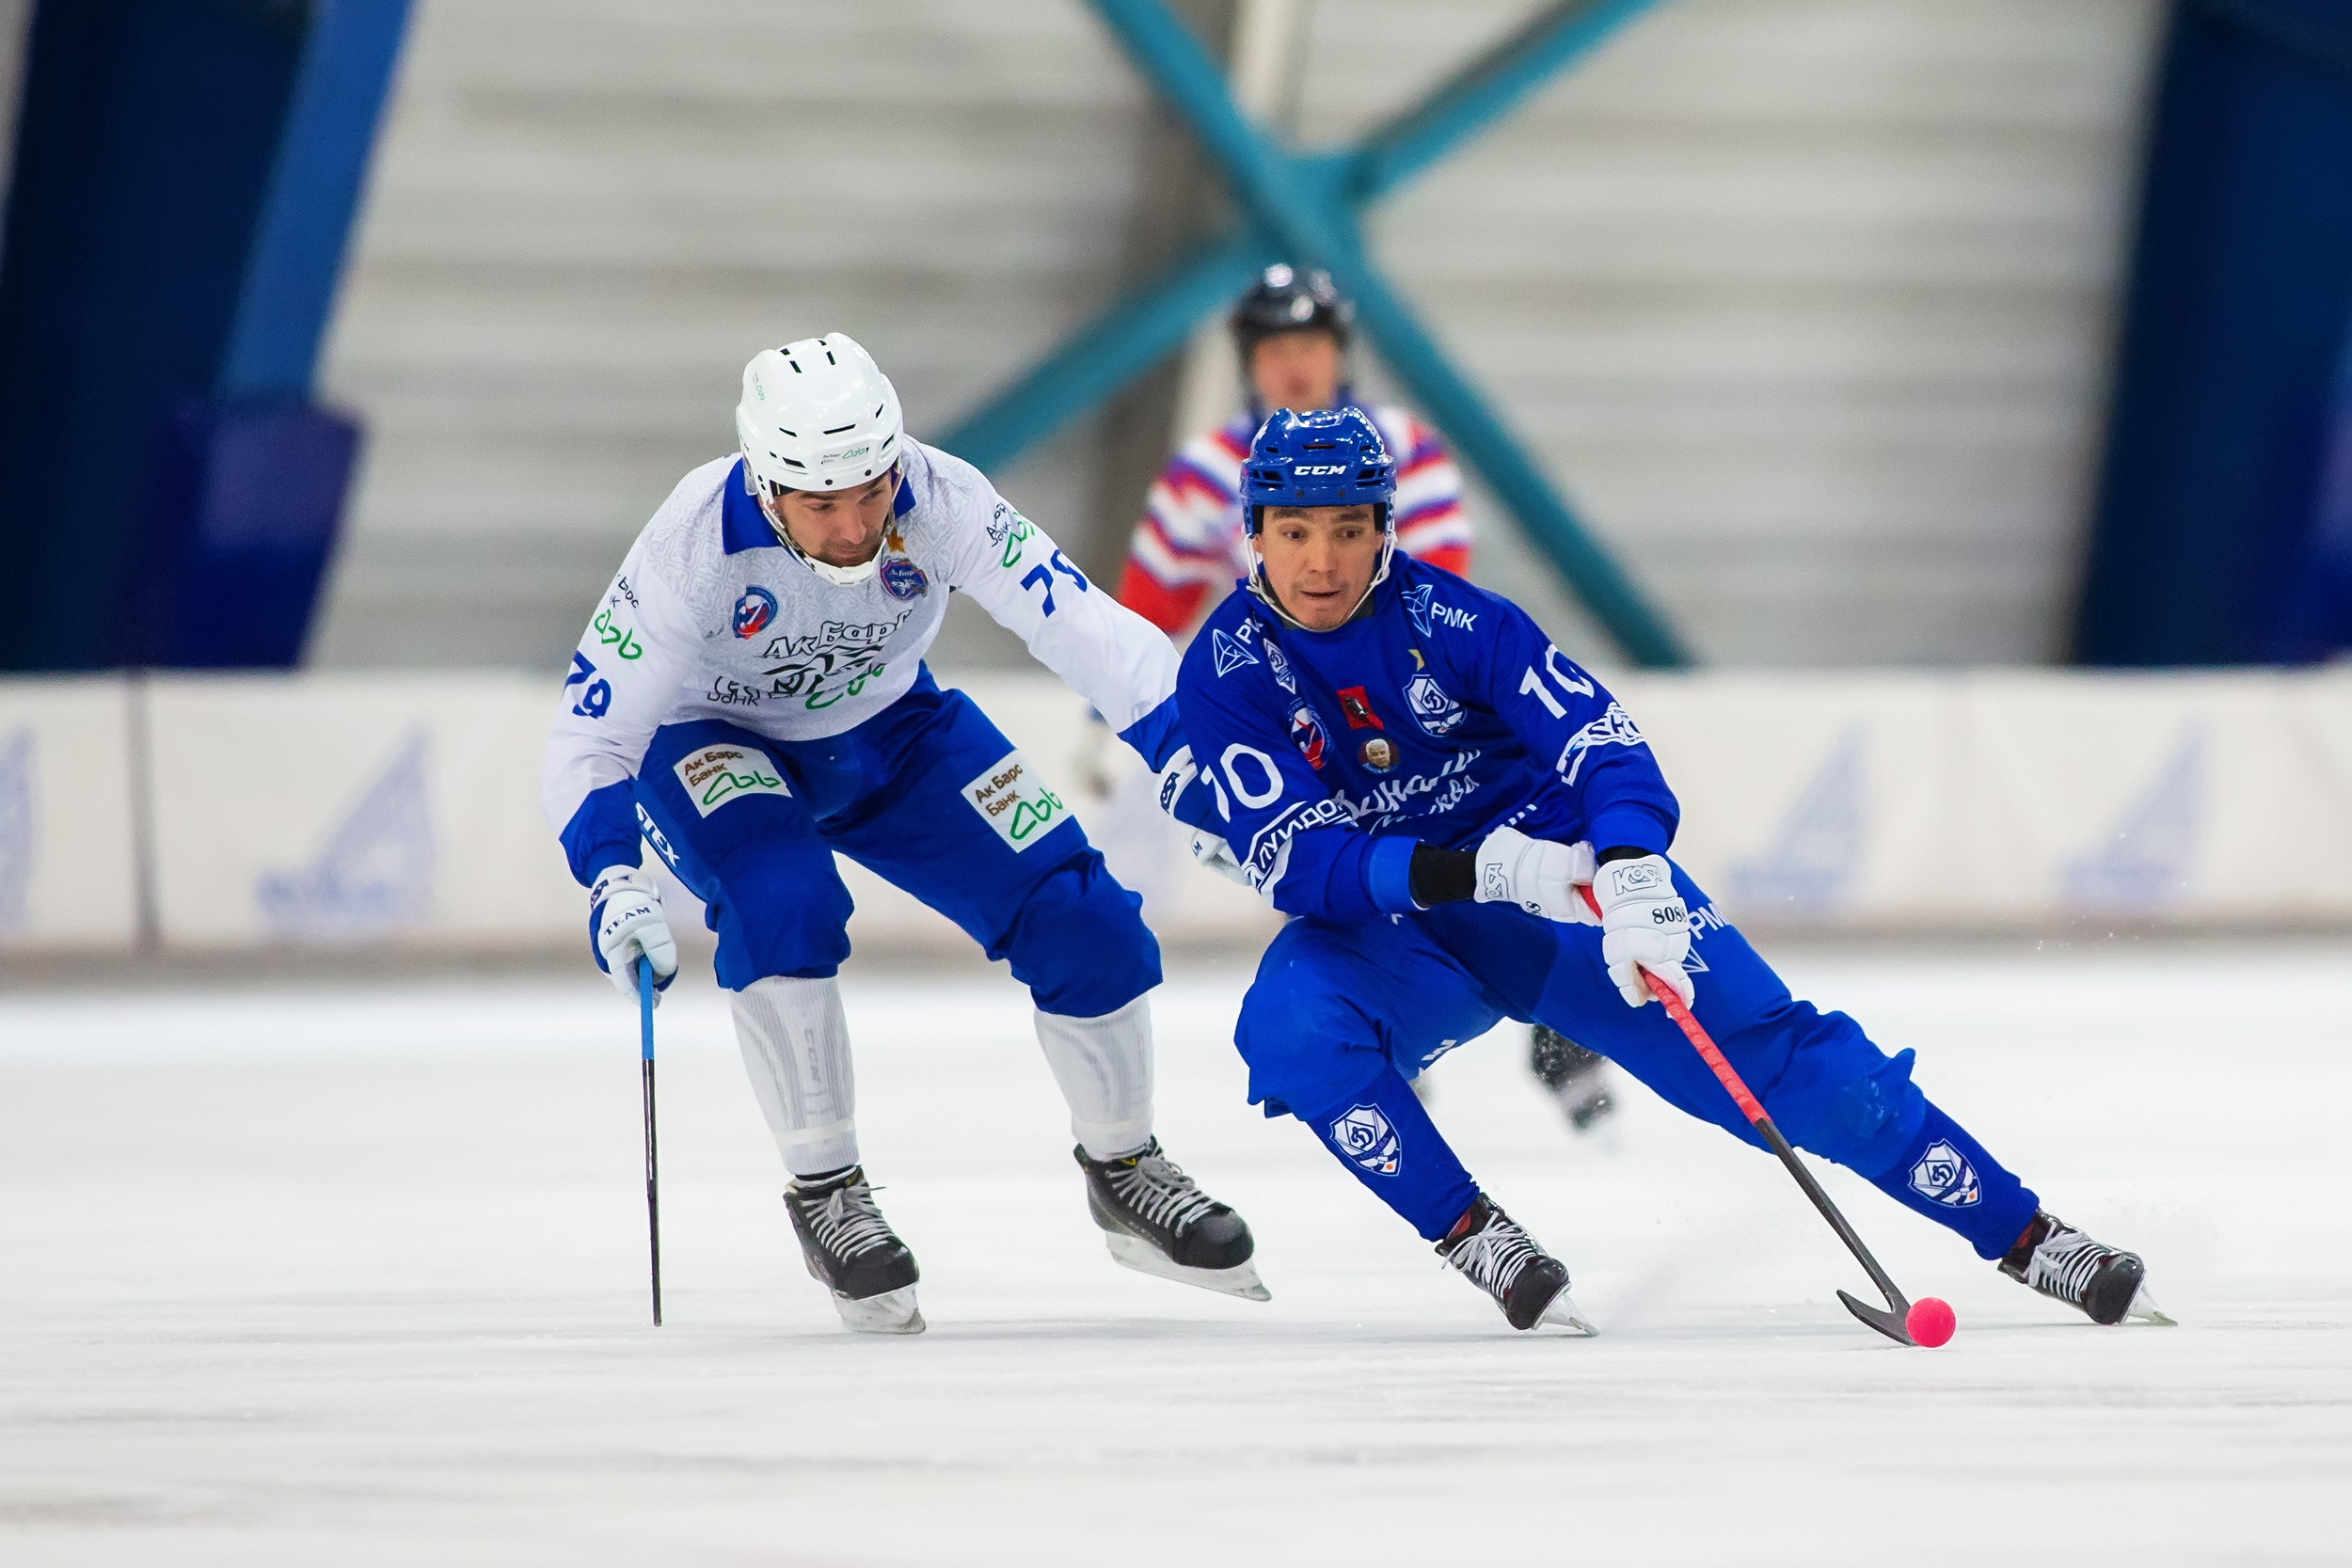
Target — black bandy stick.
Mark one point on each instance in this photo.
(652, 1159)
(1892, 1322)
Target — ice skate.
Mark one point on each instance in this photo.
(2107, 1283)
(1575, 1076)
(1501, 1258)
(851, 1250)
(1157, 1220)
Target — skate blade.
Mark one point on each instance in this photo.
(1130, 1252)
(1564, 1313)
(892, 1312)
(2144, 1309)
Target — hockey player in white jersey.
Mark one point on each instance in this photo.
(751, 697)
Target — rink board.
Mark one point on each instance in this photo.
(69, 850)
(226, 812)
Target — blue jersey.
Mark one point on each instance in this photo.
(1440, 715)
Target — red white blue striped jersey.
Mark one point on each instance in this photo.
(1190, 545)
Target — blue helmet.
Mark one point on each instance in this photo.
(1331, 457)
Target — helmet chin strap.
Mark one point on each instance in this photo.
(840, 577)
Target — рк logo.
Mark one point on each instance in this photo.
(1364, 1136)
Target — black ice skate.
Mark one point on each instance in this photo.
(851, 1250)
(2107, 1283)
(1157, 1220)
(1530, 1285)
(1573, 1074)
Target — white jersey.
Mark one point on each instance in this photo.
(710, 617)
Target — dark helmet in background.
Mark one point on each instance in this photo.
(1290, 299)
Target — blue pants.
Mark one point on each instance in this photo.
(1340, 1017)
(921, 795)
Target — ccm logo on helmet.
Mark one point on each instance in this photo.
(1320, 468)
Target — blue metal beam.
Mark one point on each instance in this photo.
(314, 195)
(1135, 331)
(1304, 208)
(1310, 230)
(1483, 91)
(1110, 350)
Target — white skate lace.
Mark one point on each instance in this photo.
(1494, 1257)
(847, 1224)
(1158, 1192)
(2063, 1265)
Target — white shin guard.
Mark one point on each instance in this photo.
(796, 1048)
(1103, 1065)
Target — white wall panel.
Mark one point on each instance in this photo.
(351, 810)
(67, 866)
(1810, 801)
(332, 809)
(2153, 797)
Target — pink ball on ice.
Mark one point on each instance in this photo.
(1930, 1321)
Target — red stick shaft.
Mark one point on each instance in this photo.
(1724, 1072)
(1892, 1322)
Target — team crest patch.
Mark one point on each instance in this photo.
(716, 776)
(1943, 1175)
(1230, 656)
(902, 579)
(1011, 798)
(1307, 732)
(1378, 754)
(1433, 708)
(1278, 661)
(753, 611)
(1364, 1136)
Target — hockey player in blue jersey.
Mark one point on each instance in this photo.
(1409, 768)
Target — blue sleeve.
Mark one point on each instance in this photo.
(1156, 734)
(1297, 845)
(603, 832)
(1564, 717)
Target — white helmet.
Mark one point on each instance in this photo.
(817, 415)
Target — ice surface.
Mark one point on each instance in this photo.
(358, 1276)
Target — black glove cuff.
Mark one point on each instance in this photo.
(1441, 875)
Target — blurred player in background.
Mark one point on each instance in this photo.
(751, 698)
(1408, 768)
(1291, 331)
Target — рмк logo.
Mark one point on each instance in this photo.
(753, 611)
(1945, 1176)
(1364, 1136)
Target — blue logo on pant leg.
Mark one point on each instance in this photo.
(1364, 1136)
(1943, 1175)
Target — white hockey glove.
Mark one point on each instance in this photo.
(1218, 855)
(624, 919)
(1187, 797)
(1537, 874)
(1644, 925)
